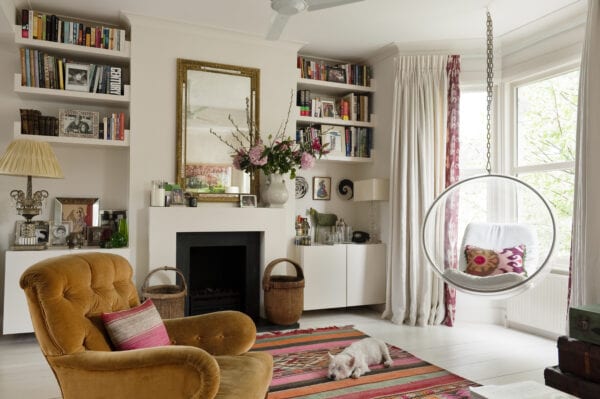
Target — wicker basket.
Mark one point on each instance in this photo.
(169, 299)
(284, 295)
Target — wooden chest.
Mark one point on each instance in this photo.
(584, 323)
(566, 382)
(579, 358)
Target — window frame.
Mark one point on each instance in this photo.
(558, 264)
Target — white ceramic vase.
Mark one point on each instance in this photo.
(275, 193)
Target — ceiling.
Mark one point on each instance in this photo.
(351, 31)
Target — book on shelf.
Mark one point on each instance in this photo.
(355, 74)
(40, 26)
(34, 123)
(113, 126)
(44, 70)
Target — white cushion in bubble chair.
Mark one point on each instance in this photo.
(495, 236)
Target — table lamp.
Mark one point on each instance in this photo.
(372, 190)
(29, 158)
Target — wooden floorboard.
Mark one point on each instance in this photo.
(484, 353)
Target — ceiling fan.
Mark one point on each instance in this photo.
(286, 8)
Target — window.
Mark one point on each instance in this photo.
(546, 122)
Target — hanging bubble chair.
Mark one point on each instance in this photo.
(492, 234)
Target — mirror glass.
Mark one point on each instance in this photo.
(221, 98)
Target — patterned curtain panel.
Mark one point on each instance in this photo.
(452, 176)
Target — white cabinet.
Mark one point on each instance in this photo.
(16, 317)
(343, 275)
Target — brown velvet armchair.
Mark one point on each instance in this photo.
(209, 357)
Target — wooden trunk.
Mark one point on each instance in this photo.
(584, 323)
(579, 358)
(569, 383)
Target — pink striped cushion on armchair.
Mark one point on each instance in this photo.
(135, 328)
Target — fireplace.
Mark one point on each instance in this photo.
(222, 271)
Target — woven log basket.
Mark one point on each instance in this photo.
(284, 295)
(169, 299)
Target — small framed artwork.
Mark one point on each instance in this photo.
(59, 231)
(74, 123)
(247, 201)
(77, 77)
(95, 235)
(327, 109)
(335, 74)
(37, 228)
(81, 212)
(322, 188)
(335, 138)
(177, 197)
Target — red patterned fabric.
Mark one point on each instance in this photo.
(452, 176)
(139, 327)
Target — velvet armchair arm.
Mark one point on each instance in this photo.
(219, 333)
(161, 372)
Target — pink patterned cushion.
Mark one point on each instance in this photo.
(139, 327)
(487, 262)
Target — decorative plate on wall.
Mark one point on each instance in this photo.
(346, 189)
(301, 187)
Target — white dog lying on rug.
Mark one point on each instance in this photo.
(354, 361)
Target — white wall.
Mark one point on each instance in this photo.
(156, 45)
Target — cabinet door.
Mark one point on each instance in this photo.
(366, 274)
(324, 276)
(16, 317)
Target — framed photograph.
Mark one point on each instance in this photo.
(322, 188)
(37, 228)
(327, 109)
(95, 235)
(335, 138)
(81, 212)
(59, 231)
(177, 197)
(335, 74)
(247, 201)
(110, 218)
(77, 77)
(74, 123)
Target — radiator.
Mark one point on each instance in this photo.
(541, 309)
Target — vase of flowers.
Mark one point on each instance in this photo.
(277, 157)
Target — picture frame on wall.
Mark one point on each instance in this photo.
(75, 123)
(322, 188)
(59, 231)
(81, 212)
(77, 77)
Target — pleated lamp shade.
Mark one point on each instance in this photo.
(30, 158)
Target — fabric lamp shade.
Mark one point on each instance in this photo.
(30, 158)
(371, 190)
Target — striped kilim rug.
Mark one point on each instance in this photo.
(300, 369)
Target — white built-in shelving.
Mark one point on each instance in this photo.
(72, 141)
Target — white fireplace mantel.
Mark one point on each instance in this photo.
(165, 222)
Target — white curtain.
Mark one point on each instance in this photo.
(415, 296)
(585, 251)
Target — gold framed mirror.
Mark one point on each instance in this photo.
(208, 95)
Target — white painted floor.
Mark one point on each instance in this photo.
(483, 353)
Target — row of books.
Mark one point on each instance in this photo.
(40, 26)
(40, 69)
(73, 123)
(33, 122)
(346, 141)
(354, 74)
(353, 107)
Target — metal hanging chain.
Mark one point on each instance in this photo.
(490, 89)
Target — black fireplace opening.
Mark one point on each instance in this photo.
(222, 271)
